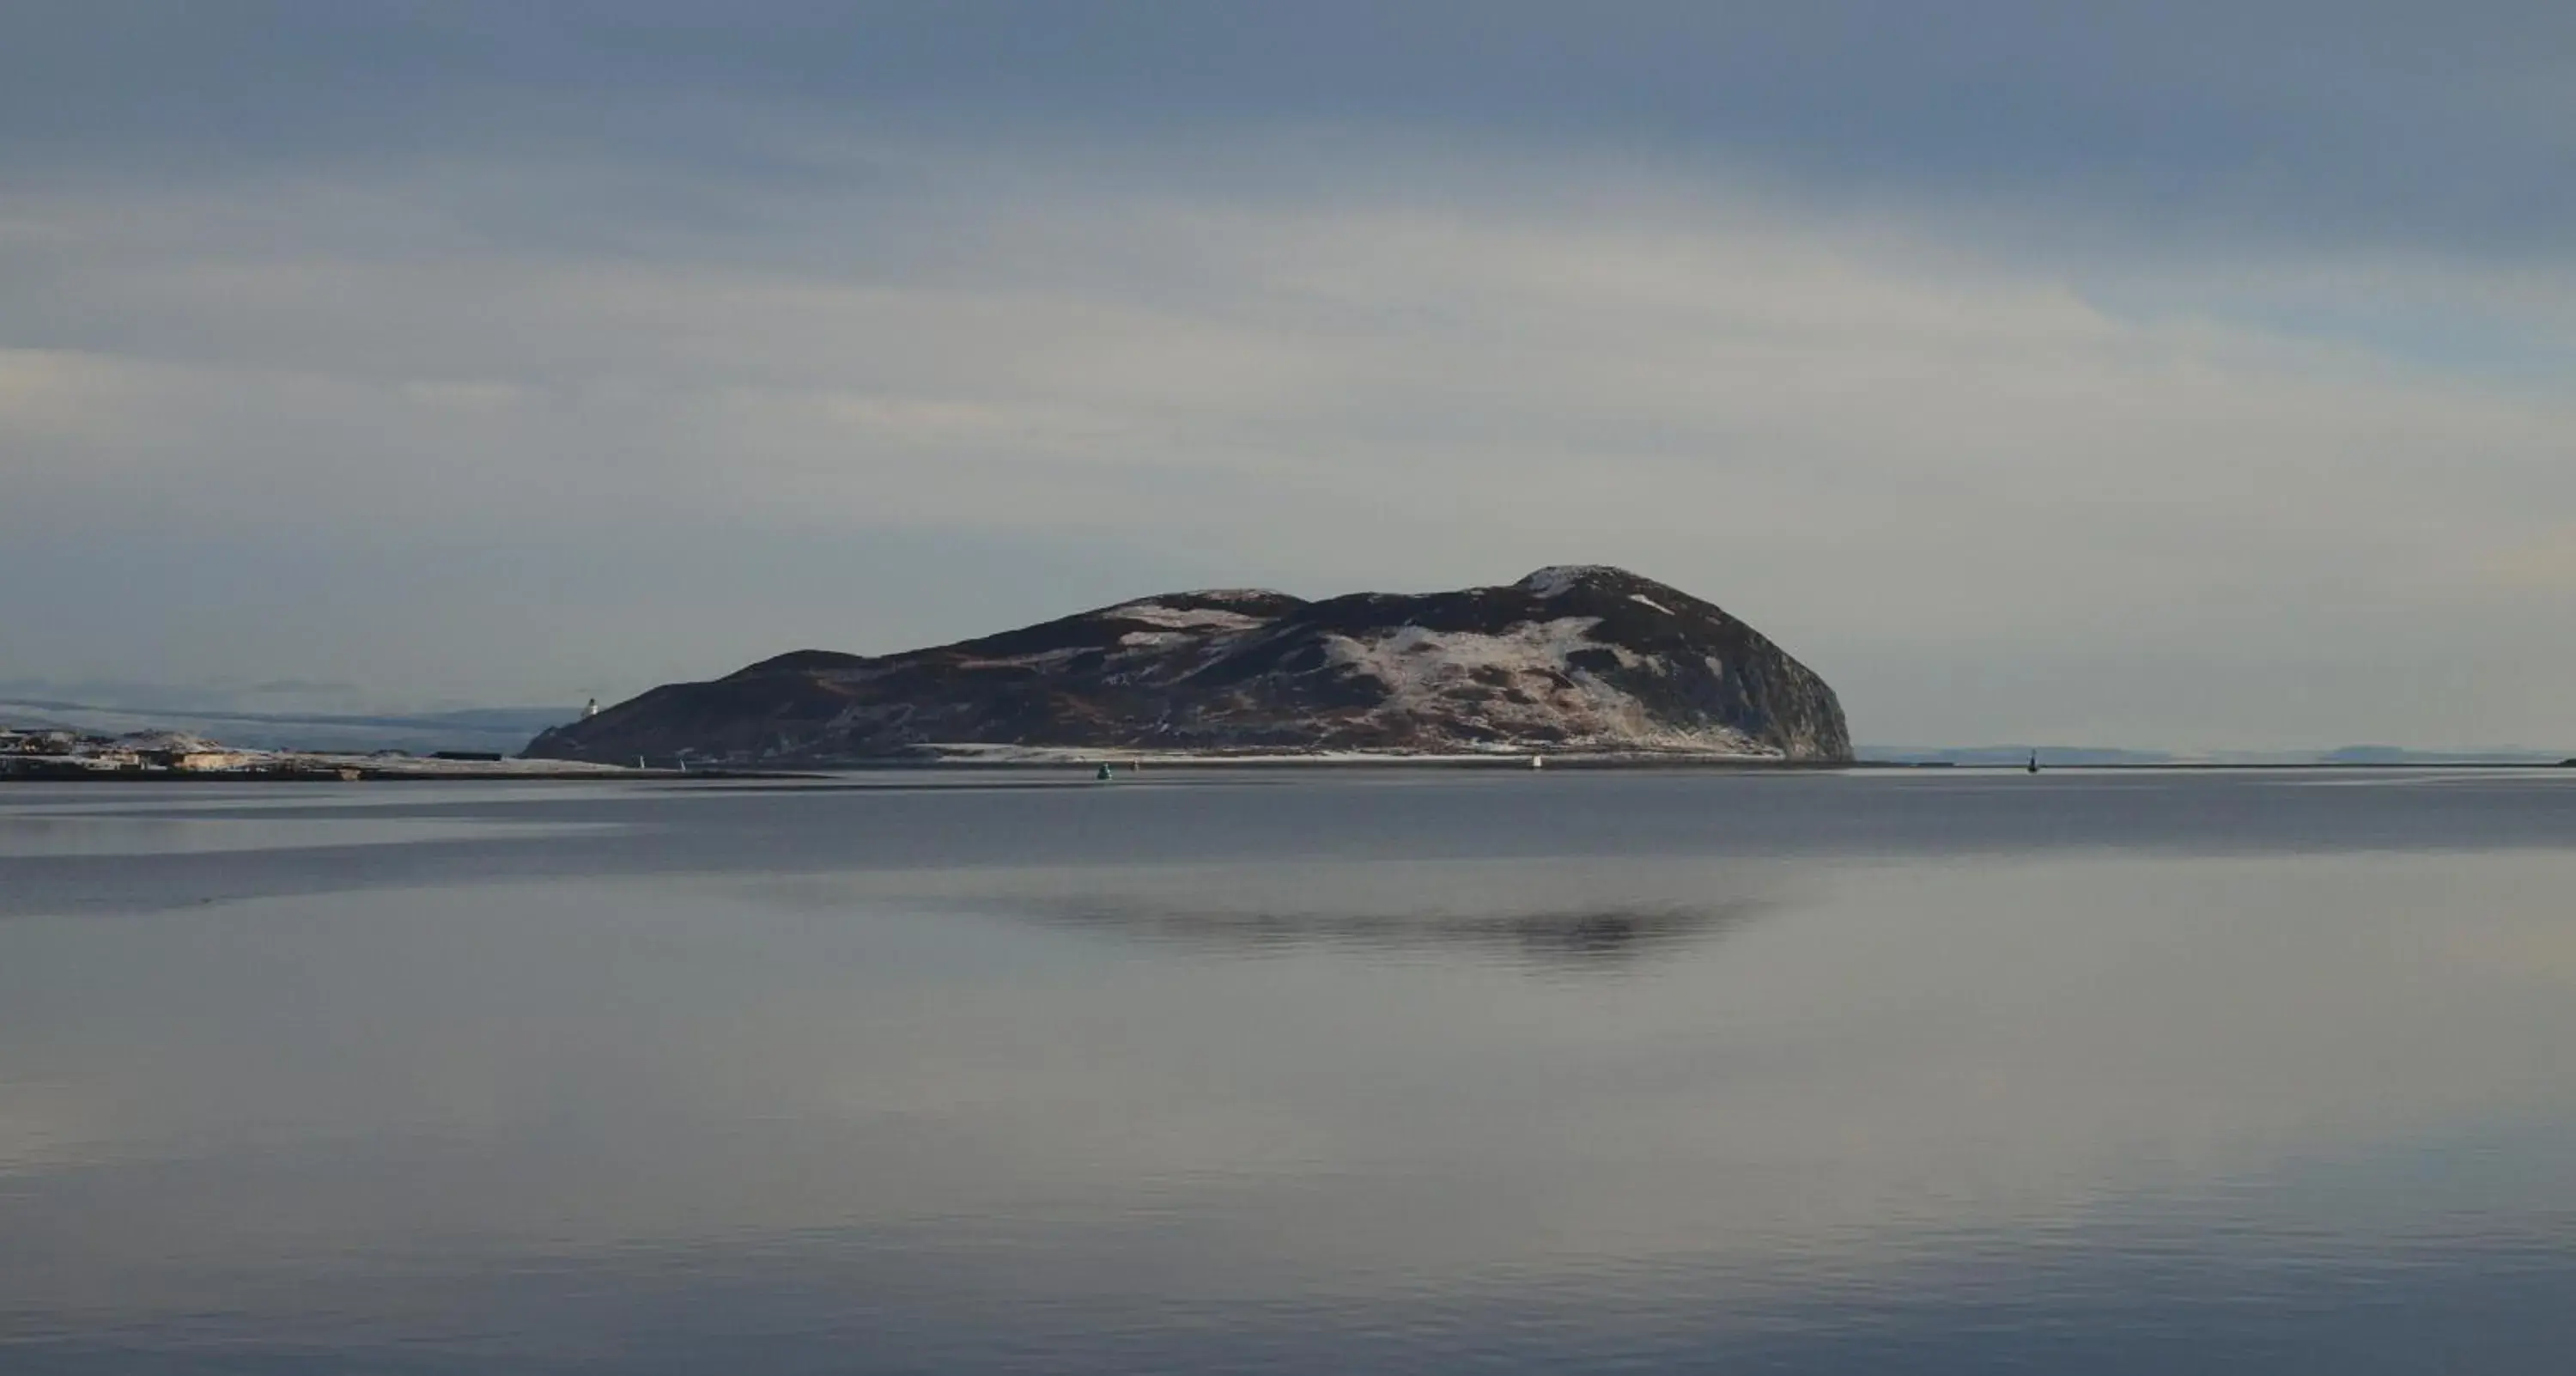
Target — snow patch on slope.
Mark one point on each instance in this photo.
(1415, 661)
(1557, 579)
(1254, 595)
(1520, 683)
(1036, 659)
(1186, 618)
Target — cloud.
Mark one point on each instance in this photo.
(2303, 120)
(1938, 393)
(2544, 564)
(53, 392)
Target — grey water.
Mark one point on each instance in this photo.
(1302, 1070)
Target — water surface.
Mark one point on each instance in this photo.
(1295, 1071)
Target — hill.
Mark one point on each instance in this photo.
(1570, 660)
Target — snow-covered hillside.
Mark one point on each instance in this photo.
(1571, 659)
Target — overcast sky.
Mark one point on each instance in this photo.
(2162, 374)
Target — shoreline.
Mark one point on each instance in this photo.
(318, 770)
(80, 774)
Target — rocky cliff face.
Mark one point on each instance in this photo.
(1585, 659)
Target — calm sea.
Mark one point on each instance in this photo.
(1294, 1071)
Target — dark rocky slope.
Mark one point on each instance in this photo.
(1588, 660)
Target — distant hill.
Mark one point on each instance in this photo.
(2389, 754)
(503, 729)
(2076, 755)
(1977, 755)
(1569, 660)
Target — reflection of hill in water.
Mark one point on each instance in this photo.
(1587, 916)
(1572, 937)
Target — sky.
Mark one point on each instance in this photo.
(2174, 375)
